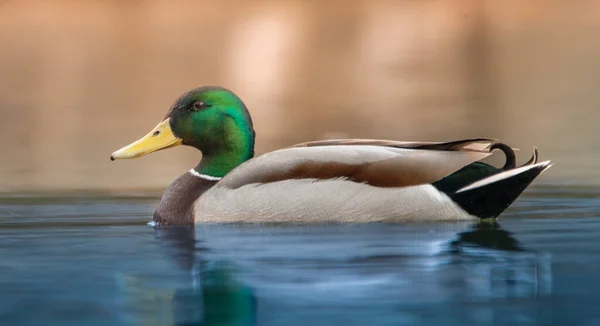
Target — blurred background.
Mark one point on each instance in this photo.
(80, 79)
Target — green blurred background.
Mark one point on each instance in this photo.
(79, 79)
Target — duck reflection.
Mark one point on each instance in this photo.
(498, 264)
(486, 234)
(215, 297)
(450, 266)
(196, 292)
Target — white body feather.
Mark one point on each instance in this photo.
(334, 200)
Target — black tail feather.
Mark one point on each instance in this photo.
(491, 199)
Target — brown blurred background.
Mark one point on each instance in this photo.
(79, 79)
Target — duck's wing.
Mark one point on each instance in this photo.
(379, 163)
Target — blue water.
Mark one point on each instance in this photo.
(93, 261)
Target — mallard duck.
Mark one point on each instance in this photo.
(345, 180)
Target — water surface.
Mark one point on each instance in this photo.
(93, 261)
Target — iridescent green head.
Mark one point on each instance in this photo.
(211, 119)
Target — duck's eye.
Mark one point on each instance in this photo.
(200, 105)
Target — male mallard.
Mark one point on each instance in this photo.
(353, 180)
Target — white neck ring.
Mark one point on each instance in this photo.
(204, 176)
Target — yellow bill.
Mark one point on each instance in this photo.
(160, 137)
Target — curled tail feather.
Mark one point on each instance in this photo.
(533, 159)
(511, 160)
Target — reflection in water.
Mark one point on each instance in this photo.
(384, 267)
(213, 297)
(486, 235)
(498, 265)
